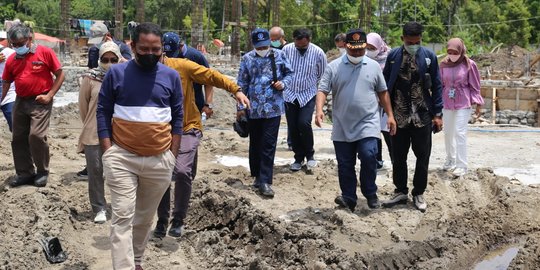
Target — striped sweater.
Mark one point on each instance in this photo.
(140, 110)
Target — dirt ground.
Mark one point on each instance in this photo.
(231, 227)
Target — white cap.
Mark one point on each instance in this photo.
(3, 34)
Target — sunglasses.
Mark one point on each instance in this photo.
(113, 60)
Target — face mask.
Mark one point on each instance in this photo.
(22, 50)
(147, 61)
(355, 60)
(262, 53)
(412, 49)
(372, 54)
(302, 51)
(342, 51)
(104, 66)
(275, 43)
(454, 58)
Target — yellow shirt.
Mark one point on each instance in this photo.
(192, 72)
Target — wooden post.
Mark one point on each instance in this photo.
(517, 99)
(494, 106)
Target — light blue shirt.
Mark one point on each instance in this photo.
(308, 70)
(355, 106)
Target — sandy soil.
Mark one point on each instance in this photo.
(231, 227)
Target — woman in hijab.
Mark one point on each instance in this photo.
(378, 51)
(461, 90)
(109, 54)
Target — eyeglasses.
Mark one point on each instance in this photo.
(113, 60)
(19, 44)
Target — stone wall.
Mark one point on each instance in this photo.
(71, 83)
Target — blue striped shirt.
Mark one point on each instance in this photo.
(308, 71)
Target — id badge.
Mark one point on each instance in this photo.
(452, 93)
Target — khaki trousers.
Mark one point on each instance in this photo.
(137, 184)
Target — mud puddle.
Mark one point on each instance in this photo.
(499, 259)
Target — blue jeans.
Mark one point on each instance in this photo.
(346, 152)
(6, 109)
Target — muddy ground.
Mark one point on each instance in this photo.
(231, 227)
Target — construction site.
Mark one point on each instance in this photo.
(486, 219)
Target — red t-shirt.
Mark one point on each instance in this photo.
(33, 73)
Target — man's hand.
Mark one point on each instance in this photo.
(392, 126)
(242, 99)
(477, 112)
(209, 112)
(319, 118)
(105, 144)
(438, 123)
(239, 114)
(2, 58)
(278, 85)
(44, 99)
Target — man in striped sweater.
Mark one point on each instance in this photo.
(139, 117)
(308, 62)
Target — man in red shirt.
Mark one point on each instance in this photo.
(31, 68)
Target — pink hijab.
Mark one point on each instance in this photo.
(458, 45)
(377, 41)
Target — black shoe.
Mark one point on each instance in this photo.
(83, 174)
(177, 228)
(266, 190)
(256, 183)
(373, 202)
(22, 180)
(380, 164)
(41, 180)
(161, 228)
(343, 203)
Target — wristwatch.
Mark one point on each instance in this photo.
(439, 114)
(209, 105)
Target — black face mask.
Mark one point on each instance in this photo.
(302, 51)
(147, 61)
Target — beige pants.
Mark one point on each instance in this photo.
(137, 185)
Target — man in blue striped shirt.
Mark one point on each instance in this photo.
(308, 62)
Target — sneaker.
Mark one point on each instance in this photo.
(449, 165)
(177, 228)
(296, 166)
(83, 174)
(420, 203)
(161, 228)
(373, 202)
(311, 164)
(397, 198)
(459, 172)
(339, 200)
(101, 217)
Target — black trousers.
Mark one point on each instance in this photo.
(301, 133)
(420, 140)
(388, 142)
(263, 134)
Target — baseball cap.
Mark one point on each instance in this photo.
(356, 39)
(260, 38)
(97, 32)
(171, 42)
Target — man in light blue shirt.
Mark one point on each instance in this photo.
(308, 62)
(356, 83)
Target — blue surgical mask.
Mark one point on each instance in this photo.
(275, 43)
(412, 49)
(21, 50)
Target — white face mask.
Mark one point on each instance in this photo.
(104, 66)
(342, 51)
(454, 58)
(355, 60)
(262, 53)
(372, 54)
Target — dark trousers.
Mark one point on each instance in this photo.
(346, 153)
(6, 109)
(96, 183)
(301, 133)
(29, 144)
(185, 171)
(263, 134)
(420, 139)
(388, 142)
